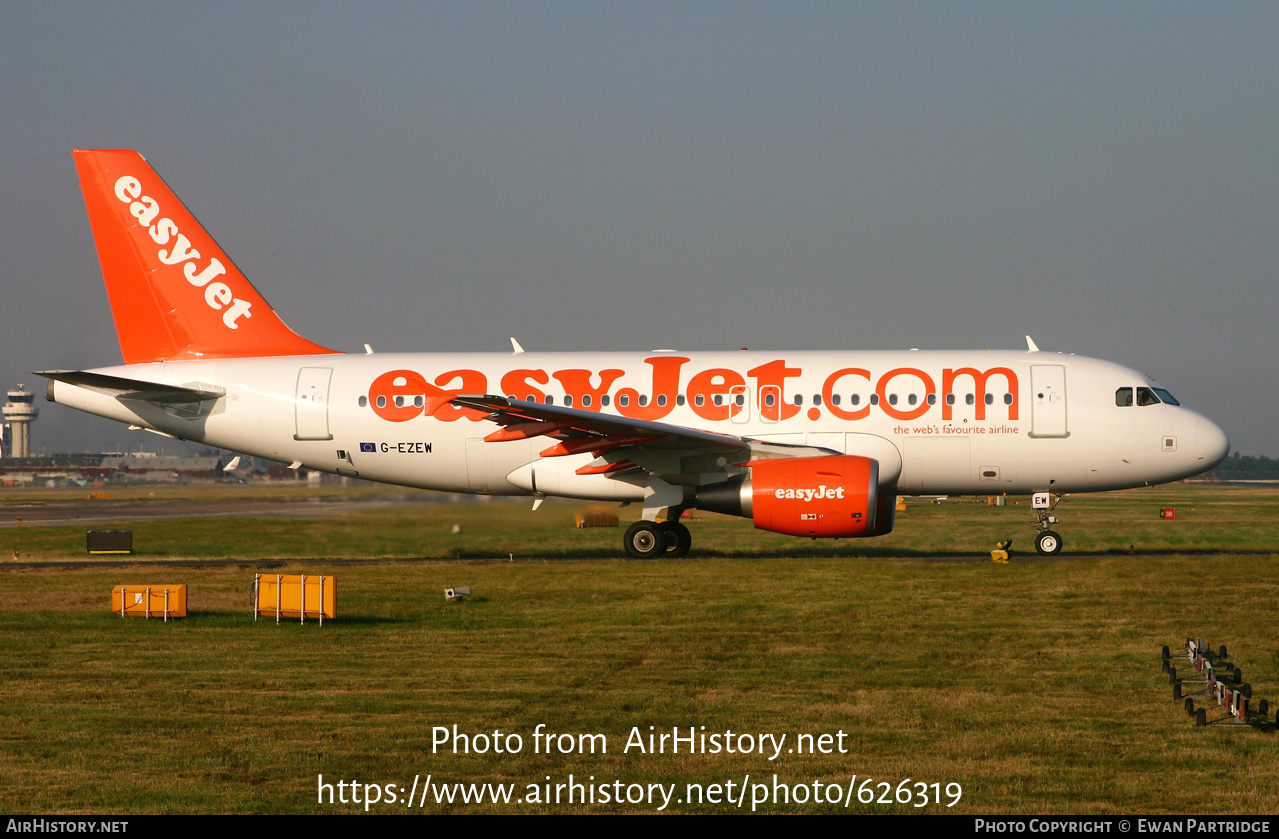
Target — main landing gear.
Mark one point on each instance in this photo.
(1047, 541)
(650, 540)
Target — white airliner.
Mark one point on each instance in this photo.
(814, 444)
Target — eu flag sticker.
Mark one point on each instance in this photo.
(368, 447)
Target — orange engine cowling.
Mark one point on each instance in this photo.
(833, 496)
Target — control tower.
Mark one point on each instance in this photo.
(20, 411)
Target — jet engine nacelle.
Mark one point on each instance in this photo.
(833, 496)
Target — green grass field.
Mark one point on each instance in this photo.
(1035, 686)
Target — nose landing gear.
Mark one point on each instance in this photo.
(1047, 541)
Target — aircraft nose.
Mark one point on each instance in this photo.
(1212, 444)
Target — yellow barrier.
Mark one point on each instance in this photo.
(299, 596)
(143, 601)
(596, 520)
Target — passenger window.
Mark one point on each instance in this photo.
(549, 400)
(623, 400)
(719, 400)
(799, 399)
(568, 400)
(604, 400)
(874, 399)
(990, 399)
(969, 399)
(857, 399)
(643, 400)
(364, 402)
(1123, 397)
(769, 399)
(679, 400)
(834, 399)
(699, 400)
(950, 399)
(932, 399)
(661, 400)
(1008, 399)
(817, 399)
(912, 399)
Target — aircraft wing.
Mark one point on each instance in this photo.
(134, 389)
(618, 443)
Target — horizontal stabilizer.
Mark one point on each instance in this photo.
(134, 389)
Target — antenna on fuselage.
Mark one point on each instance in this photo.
(1031, 346)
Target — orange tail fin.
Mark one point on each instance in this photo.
(174, 293)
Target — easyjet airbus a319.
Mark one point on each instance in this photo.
(813, 444)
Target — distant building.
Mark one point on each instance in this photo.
(143, 467)
(152, 468)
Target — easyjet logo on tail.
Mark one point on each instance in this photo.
(175, 249)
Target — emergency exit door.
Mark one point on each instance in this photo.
(312, 404)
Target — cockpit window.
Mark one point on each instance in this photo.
(1146, 396)
(1123, 397)
(1167, 397)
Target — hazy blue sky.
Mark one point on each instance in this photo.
(1103, 176)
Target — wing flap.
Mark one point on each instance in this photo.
(575, 428)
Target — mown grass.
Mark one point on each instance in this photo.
(1035, 685)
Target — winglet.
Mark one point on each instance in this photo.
(174, 292)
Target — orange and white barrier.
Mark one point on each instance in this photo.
(298, 596)
(143, 601)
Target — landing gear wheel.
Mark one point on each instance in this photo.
(645, 540)
(678, 539)
(1048, 543)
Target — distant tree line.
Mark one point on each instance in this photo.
(1239, 467)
